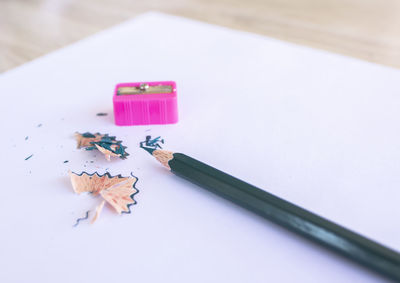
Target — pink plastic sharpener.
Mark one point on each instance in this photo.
(145, 103)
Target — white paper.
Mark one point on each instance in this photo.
(315, 128)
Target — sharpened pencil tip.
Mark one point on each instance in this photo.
(163, 156)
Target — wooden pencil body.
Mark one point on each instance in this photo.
(295, 218)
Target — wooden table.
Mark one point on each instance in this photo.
(366, 29)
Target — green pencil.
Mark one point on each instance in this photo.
(350, 244)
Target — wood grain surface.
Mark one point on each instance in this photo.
(365, 29)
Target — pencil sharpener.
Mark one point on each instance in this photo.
(145, 103)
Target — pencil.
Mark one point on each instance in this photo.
(333, 236)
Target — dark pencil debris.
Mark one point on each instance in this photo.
(101, 114)
(152, 143)
(80, 219)
(66, 161)
(26, 138)
(39, 125)
(29, 157)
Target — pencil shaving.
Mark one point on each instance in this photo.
(120, 196)
(118, 191)
(99, 208)
(93, 183)
(85, 140)
(107, 153)
(108, 145)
